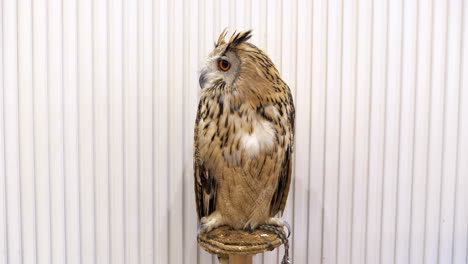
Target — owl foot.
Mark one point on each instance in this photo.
(210, 222)
(281, 223)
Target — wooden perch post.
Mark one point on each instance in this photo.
(238, 246)
(240, 259)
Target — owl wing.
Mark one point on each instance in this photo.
(284, 180)
(205, 183)
(281, 194)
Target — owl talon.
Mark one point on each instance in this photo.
(280, 223)
(209, 223)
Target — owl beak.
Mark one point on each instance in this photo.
(202, 79)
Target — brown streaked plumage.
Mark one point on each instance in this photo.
(244, 137)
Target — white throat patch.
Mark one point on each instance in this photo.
(261, 139)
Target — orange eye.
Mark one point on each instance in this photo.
(224, 65)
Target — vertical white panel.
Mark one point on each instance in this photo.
(436, 131)
(190, 103)
(258, 16)
(176, 56)
(232, 14)
(391, 133)
(317, 133)
(26, 131)
(3, 200)
(55, 84)
(273, 47)
(347, 128)
(131, 148)
(70, 130)
(421, 140)
(240, 16)
(11, 136)
(406, 145)
(201, 30)
(332, 131)
(377, 130)
(248, 14)
(217, 16)
(452, 72)
(161, 133)
(41, 132)
(460, 233)
(302, 144)
(288, 42)
(362, 130)
(222, 14)
(86, 129)
(248, 9)
(145, 113)
(116, 133)
(101, 133)
(209, 27)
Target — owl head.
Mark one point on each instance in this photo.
(238, 66)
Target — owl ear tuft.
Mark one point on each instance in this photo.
(221, 38)
(239, 38)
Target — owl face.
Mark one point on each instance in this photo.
(221, 69)
(239, 68)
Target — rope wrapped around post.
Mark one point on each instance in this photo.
(238, 246)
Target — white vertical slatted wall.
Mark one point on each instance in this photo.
(98, 102)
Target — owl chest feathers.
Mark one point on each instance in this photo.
(234, 132)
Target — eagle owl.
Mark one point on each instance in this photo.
(244, 138)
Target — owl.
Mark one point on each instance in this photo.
(244, 138)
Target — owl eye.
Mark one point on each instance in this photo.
(224, 65)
